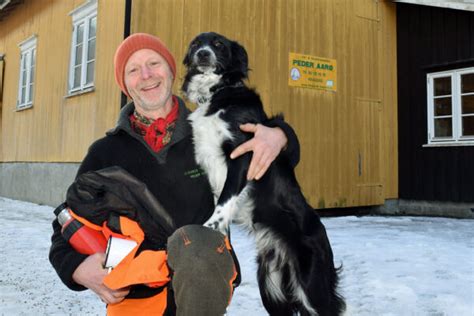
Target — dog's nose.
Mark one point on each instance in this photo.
(203, 54)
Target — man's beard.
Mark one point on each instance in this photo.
(152, 105)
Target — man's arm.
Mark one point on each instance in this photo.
(91, 273)
(77, 271)
(64, 259)
(268, 142)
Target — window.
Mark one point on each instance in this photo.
(27, 73)
(451, 107)
(81, 71)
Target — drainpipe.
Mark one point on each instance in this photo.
(126, 33)
(2, 56)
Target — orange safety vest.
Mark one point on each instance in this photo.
(149, 268)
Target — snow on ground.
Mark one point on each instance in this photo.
(392, 266)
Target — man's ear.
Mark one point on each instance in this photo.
(240, 58)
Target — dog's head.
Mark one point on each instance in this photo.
(212, 52)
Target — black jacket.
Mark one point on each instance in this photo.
(172, 175)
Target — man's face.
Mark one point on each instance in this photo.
(148, 79)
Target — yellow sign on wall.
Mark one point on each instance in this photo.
(313, 72)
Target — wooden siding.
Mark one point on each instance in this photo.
(1, 98)
(429, 40)
(349, 137)
(57, 128)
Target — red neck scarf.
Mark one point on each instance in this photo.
(156, 133)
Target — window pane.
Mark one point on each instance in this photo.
(90, 72)
(91, 50)
(442, 106)
(30, 97)
(33, 57)
(78, 60)
(467, 83)
(443, 127)
(23, 62)
(467, 104)
(80, 33)
(23, 94)
(28, 66)
(32, 74)
(468, 126)
(442, 86)
(31, 66)
(92, 27)
(77, 77)
(23, 78)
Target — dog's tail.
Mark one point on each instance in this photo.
(338, 303)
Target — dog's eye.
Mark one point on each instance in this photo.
(194, 44)
(217, 44)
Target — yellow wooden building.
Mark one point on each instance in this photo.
(328, 65)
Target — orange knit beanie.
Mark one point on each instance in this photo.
(136, 42)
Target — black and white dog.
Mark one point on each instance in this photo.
(296, 273)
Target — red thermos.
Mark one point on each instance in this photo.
(82, 238)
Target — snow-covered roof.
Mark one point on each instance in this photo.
(466, 5)
(7, 6)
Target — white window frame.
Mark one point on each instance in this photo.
(27, 73)
(82, 16)
(456, 113)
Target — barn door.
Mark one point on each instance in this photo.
(368, 184)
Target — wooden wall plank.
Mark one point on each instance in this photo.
(2, 63)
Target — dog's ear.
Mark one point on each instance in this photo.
(187, 59)
(240, 59)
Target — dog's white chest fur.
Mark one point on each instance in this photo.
(209, 133)
(198, 90)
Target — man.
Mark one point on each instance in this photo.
(152, 141)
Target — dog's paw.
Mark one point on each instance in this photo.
(217, 223)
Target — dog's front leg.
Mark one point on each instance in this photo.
(227, 202)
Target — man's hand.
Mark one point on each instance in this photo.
(266, 145)
(90, 273)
